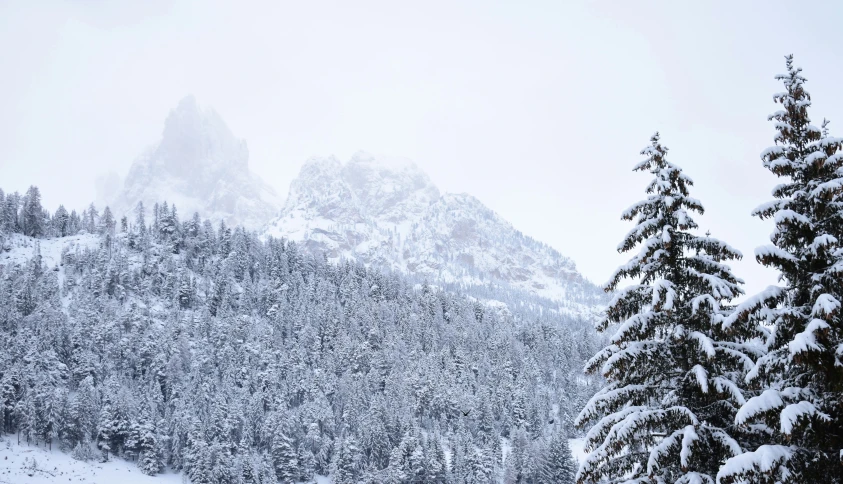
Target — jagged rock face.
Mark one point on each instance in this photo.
(199, 166)
(389, 189)
(386, 212)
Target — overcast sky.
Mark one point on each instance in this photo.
(539, 109)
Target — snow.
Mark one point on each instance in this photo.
(793, 412)
(725, 385)
(765, 459)
(825, 305)
(705, 343)
(752, 303)
(688, 438)
(20, 248)
(663, 287)
(766, 251)
(577, 447)
(789, 216)
(806, 341)
(769, 400)
(16, 467)
(702, 377)
(829, 186)
(772, 150)
(387, 213)
(200, 166)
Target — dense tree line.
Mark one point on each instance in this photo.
(700, 390)
(24, 214)
(239, 360)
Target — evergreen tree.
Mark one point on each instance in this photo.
(32, 215)
(91, 219)
(140, 219)
(802, 373)
(10, 212)
(674, 366)
(345, 466)
(558, 465)
(60, 221)
(106, 429)
(74, 224)
(149, 460)
(286, 459)
(107, 222)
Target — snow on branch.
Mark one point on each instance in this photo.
(764, 460)
(792, 413)
(768, 401)
(768, 296)
(806, 341)
(705, 343)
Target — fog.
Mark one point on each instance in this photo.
(539, 109)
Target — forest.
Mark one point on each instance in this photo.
(236, 358)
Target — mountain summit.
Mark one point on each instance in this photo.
(386, 212)
(200, 166)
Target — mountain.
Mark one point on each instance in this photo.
(199, 166)
(386, 212)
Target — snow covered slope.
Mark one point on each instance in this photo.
(387, 213)
(24, 464)
(199, 166)
(17, 248)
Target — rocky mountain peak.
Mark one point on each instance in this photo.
(200, 166)
(196, 141)
(386, 212)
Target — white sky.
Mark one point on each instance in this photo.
(539, 109)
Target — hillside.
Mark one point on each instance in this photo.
(214, 353)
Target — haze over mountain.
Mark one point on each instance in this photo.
(199, 166)
(380, 210)
(386, 212)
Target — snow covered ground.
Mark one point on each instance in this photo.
(23, 464)
(18, 248)
(16, 467)
(578, 449)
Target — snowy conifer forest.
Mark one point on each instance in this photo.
(186, 347)
(232, 359)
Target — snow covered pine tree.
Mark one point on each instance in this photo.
(559, 466)
(802, 373)
(673, 367)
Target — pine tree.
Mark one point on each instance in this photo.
(60, 221)
(286, 459)
(91, 219)
(106, 430)
(32, 215)
(345, 467)
(558, 464)
(673, 367)
(74, 224)
(802, 373)
(149, 460)
(10, 212)
(107, 222)
(140, 218)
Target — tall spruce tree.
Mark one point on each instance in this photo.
(61, 221)
(32, 215)
(673, 367)
(802, 373)
(558, 465)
